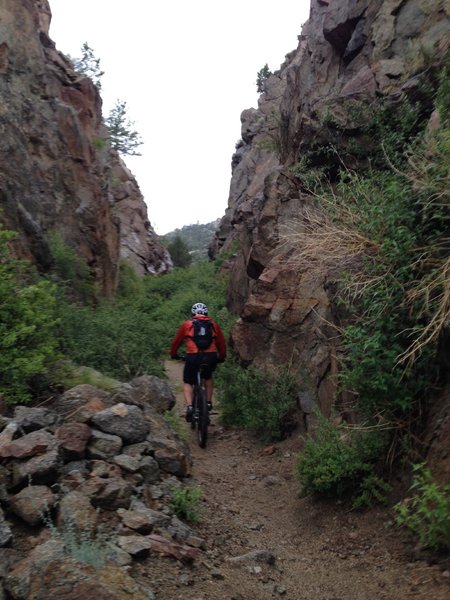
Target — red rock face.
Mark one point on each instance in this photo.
(349, 51)
(56, 171)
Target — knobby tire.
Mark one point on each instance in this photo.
(203, 417)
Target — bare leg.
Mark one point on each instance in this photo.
(209, 386)
(188, 392)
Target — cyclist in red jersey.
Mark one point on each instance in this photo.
(215, 352)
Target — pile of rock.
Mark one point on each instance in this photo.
(88, 458)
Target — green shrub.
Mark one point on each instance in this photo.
(179, 252)
(251, 399)
(27, 325)
(186, 503)
(130, 334)
(427, 513)
(70, 270)
(174, 423)
(336, 461)
(69, 375)
(373, 490)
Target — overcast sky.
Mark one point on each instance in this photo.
(186, 71)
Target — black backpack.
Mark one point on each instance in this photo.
(203, 333)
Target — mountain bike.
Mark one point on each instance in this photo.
(200, 410)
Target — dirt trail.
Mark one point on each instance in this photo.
(301, 549)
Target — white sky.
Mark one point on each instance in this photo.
(186, 71)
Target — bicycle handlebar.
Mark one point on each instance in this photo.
(183, 357)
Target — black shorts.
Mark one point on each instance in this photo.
(193, 362)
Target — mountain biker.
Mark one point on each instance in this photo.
(211, 355)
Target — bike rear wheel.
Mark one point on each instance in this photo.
(203, 417)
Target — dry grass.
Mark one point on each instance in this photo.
(324, 242)
(328, 239)
(436, 291)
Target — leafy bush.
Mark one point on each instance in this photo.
(69, 270)
(27, 325)
(389, 232)
(373, 490)
(186, 503)
(129, 335)
(427, 513)
(251, 399)
(179, 252)
(66, 374)
(336, 461)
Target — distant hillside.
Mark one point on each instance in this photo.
(196, 237)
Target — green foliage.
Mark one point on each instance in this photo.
(427, 513)
(117, 338)
(391, 129)
(174, 423)
(126, 336)
(251, 399)
(406, 226)
(337, 461)
(89, 65)
(261, 77)
(443, 93)
(179, 252)
(373, 490)
(69, 270)
(27, 325)
(186, 503)
(311, 177)
(230, 252)
(398, 302)
(197, 238)
(69, 375)
(130, 283)
(122, 136)
(99, 143)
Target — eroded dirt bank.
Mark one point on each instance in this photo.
(264, 542)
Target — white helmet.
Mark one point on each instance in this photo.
(199, 309)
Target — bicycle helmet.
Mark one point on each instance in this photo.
(199, 309)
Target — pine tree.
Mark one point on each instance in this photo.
(122, 136)
(89, 65)
(261, 77)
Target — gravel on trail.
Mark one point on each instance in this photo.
(263, 541)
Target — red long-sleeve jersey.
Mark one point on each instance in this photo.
(184, 336)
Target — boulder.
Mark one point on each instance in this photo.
(123, 420)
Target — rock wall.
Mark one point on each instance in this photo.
(349, 51)
(57, 173)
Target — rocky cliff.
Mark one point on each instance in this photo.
(57, 172)
(350, 53)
